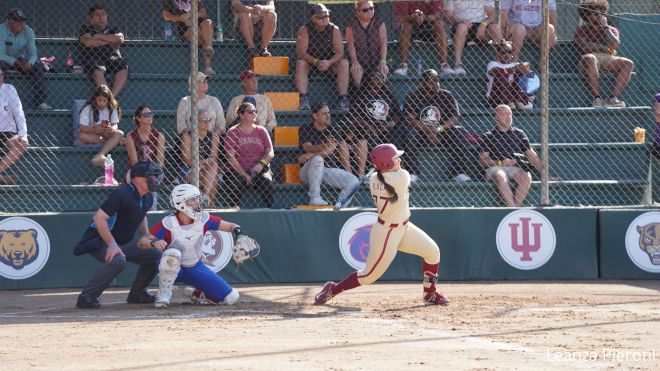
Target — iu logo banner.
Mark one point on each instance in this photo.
(643, 241)
(24, 248)
(526, 239)
(354, 239)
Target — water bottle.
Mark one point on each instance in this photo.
(219, 36)
(419, 67)
(109, 171)
(69, 62)
(169, 32)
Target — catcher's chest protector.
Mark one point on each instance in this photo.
(187, 238)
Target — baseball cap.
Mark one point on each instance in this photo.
(319, 106)
(657, 98)
(16, 15)
(249, 99)
(319, 9)
(200, 77)
(247, 74)
(428, 73)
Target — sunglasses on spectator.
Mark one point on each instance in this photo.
(147, 114)
(322, 17)
(208, 119)
(369, 9)
(250, 111)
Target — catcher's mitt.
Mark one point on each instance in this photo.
(245, 248)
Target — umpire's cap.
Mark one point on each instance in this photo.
(150, 171)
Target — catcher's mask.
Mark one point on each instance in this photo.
(188, 199)
(383, 156)
(151, 172)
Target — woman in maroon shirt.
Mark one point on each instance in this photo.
(145, 143)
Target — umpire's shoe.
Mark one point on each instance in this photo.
(87, 302)
(143, 297)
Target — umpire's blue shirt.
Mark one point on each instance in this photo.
(127, 210)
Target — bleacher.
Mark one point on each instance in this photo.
(618, 171)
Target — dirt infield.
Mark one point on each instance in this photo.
(488, 325)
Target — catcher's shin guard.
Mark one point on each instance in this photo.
(168, 270)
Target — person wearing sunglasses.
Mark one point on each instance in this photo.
(206, 102)
(144, 143)
(598, 43)
(320, 50)
(249, 153)
(421, 20)
(366, 40)
(209, 147)
(503, 75)
(13, 130)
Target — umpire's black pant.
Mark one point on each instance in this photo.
(103, 276)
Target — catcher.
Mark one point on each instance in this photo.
(179, 236)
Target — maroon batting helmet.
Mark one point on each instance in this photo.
(383, 155)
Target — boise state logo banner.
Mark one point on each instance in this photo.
(24, 248)
(643, 242)
(354, 239)
(217, 248)
(526, 239)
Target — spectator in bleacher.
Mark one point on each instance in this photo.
(100, 52)
(471, 20)
(503, 74)
(376, 116)
(325, 157)
(656, 134)
(319, 44)
(144, 143)
(250, 84)
(249, 153)
(599, 42)
(507, 156)
(209, 147)
(179, 12)
(433, 113)
(421, 20)
(520, 19)
(99, 123)
(18, 52)
(13, 130)
(208, 103)
(366, 41)
(255, 19)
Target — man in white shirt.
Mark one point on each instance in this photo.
(472, 20)
(13, 130)
(265, 114)
(522, 18)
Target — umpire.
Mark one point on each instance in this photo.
(111, 238)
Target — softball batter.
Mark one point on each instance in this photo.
(392, 232)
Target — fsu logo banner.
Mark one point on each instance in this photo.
(217, 248)
(643, 241)
(354, 239)
(24, 248)
(526, 239)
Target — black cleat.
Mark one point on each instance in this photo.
(142, 297)
(87, 302)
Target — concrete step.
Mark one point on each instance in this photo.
(163, 92)
(567, 125)
(598, 161)
(68, 198)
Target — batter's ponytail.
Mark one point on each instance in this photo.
(388, 188)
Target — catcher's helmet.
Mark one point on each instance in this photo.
(188, 199)
(383, 156)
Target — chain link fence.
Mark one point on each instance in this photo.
(595, 149)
